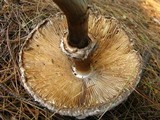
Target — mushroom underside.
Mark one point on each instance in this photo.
(47, 72)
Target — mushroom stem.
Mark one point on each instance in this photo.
(77, 14)
(77, 44)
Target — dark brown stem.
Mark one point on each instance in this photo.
(77, 14)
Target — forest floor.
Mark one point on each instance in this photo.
(16, 22)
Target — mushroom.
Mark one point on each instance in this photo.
(79, 78)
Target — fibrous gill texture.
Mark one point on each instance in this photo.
(48, 75)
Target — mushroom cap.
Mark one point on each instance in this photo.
(47, 72)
